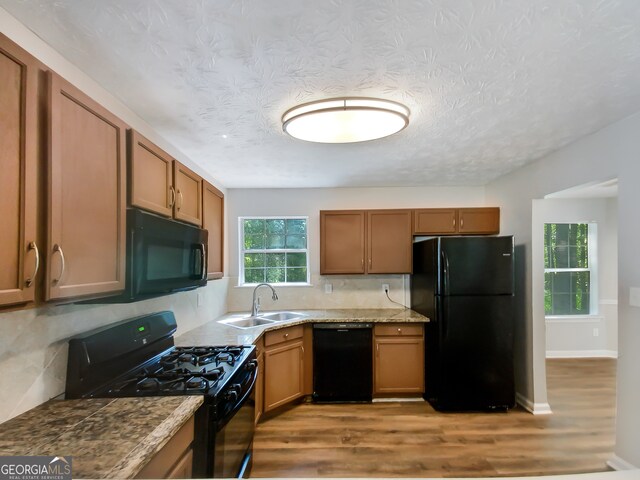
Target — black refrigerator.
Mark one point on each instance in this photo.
(465, 285)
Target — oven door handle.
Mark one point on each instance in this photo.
(238, 404)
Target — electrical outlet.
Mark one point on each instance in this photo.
(634, 297)
(199, 300)
(328, 288)
(385, 287)
(596, 332)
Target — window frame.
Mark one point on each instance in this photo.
(242, 251)
(592, 260)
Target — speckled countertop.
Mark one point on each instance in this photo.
(215, 333)
(107, 438)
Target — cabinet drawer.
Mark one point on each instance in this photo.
(398, 330)
(282, 335)
(171, 458)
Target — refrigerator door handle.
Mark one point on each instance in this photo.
(445, 273)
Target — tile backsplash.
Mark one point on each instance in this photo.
(33, 342)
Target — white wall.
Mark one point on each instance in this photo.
(574, 336)
(33, 342)
(611, 152)
(358, 291)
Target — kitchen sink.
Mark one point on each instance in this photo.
(247, 322)
(282, 316)
(262, 319)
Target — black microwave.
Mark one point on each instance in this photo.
(163, 256)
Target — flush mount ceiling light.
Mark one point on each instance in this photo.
(345, 120)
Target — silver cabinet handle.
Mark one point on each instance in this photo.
(181, 199)
(58, 248)
(462, 223)
(454, 222)
(29, 281)
(172, 196)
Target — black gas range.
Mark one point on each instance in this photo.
(137, 357)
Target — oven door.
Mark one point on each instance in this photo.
(164, 255)
(234, 444)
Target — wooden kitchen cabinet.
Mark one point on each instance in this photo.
(342, 242)
(399, 359)
(456, 221)
(213, 221)
(479, 220)
(360, 241)
(258, 391)
(150, 176)
(175, 459)
(435, 221)
(160, 184)
(389, 241)
(87, 195)
(283, 366)
(20, 257)
(188, 185)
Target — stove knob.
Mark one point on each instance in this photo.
(252, 365)
(231, 395)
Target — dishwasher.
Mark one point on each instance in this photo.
(342, 362)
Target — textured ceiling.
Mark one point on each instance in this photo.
(491, 84)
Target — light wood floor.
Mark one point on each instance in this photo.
(412, 440)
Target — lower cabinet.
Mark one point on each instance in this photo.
(399, 359)
(175, 459)
(258, 392)
(283, 366)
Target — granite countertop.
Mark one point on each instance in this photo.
(107, 438)
(215, 333)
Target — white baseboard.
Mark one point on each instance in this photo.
(535, 408)
(617, 463)
(582, 354)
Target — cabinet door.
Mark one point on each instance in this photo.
(435, 221)
(389, 241)
(150, 176)
(184, 467)
(399, 365)
(284, 371)
(259, 388)
(188, 185)
(479, 220)
(342, 242)
(18, 137)
(213, 221)
(87, 204)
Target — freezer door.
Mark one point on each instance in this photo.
(476, 266)
(424, 277)
(476, 353)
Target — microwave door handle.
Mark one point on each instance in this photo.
(203, 252)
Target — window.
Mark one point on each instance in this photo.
(569, 261)
(273, 250)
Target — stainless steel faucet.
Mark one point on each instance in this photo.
(255, 305)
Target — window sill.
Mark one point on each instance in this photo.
(573, 318)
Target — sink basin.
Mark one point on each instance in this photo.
(282, 316)
(247, 322)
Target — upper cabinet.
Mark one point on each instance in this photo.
(358, 241)
(213, 221)
(188, 186)
(20, 259)
(342, 242)
(87, 195)
(150, 176)
(479, 220)
(456, 221)
(161, 184)
(389, 241)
